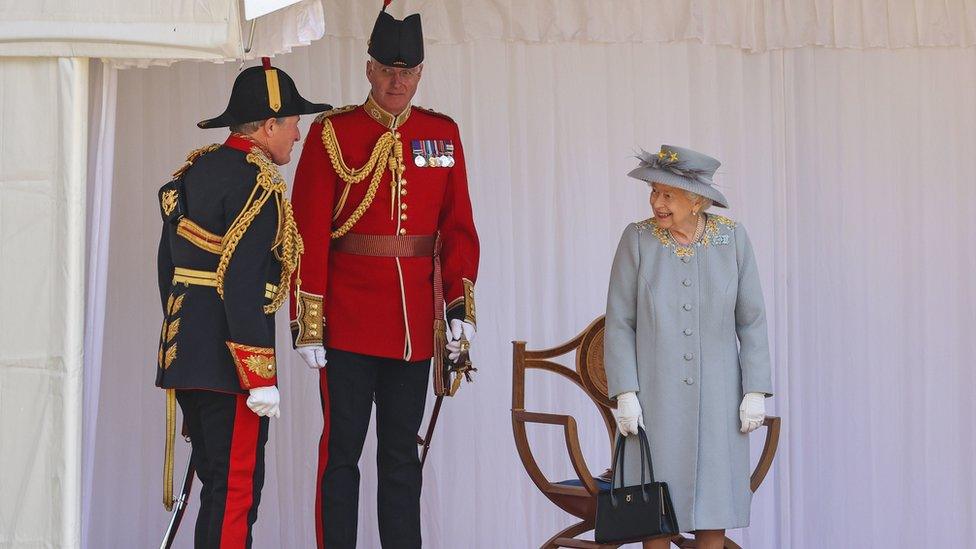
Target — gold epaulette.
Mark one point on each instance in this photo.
(339, 110)
(435, 113)
(192, 157)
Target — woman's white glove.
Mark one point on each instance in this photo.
(628, 413)
(264, 401)
(313, 355)
(752, 411)
(458, 327)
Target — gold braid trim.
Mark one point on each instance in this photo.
(290, 250)
(168, 450)
(191, 158)
(269, 184)
(388, 152)
(198, 236)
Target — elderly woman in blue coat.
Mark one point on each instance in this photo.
(686, 347)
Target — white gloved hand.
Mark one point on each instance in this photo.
(752, 411)
(628, 413)
(313, 355)
(264, 401)
(458, 327)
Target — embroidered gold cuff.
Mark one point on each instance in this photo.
(255, 365)
(309, 319)
(469, 312)
(463, 307)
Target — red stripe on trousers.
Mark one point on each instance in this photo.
(240, 476)
(323, 458)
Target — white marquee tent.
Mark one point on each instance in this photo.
(846, 130)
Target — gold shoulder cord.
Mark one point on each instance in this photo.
(288, 246)
(388, 152)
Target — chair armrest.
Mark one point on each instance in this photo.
(572, 444)
(772, 424)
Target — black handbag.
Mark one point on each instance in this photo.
(626, 514)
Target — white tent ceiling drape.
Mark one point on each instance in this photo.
(752, 25)
(152, 32)
(850, 169)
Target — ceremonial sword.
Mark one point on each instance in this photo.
(463, 366)
(179, 504)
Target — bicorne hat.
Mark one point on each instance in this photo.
(261, 93)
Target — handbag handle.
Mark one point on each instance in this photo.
(618, 463)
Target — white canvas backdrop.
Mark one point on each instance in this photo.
(851, 169)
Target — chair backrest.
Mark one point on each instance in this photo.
(589, 363)
(589, 374)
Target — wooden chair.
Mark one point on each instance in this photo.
(578, 496)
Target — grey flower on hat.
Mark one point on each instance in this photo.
(682, 168)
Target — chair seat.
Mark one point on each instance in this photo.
(600, 483)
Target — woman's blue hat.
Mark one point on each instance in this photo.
(682, 168)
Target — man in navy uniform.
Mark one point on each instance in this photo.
(228, 248)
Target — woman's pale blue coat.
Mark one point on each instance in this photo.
(686, 330)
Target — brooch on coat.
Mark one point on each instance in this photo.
(709, 237)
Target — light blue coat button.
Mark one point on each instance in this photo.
(688, 331)
(686, 282)
(687, 306)
(690, 380)
(689, 356)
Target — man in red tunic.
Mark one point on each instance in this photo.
(381, 201)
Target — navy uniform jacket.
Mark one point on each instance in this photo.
(227, 240)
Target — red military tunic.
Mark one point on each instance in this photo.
(381, 306)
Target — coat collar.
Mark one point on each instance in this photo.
(245, 144)
(385, 118)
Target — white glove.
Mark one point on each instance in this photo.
(264, 401)
(313, 355)
(628, 413)
(752, 411)
(458, 327)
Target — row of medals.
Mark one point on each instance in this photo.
(442, 161)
